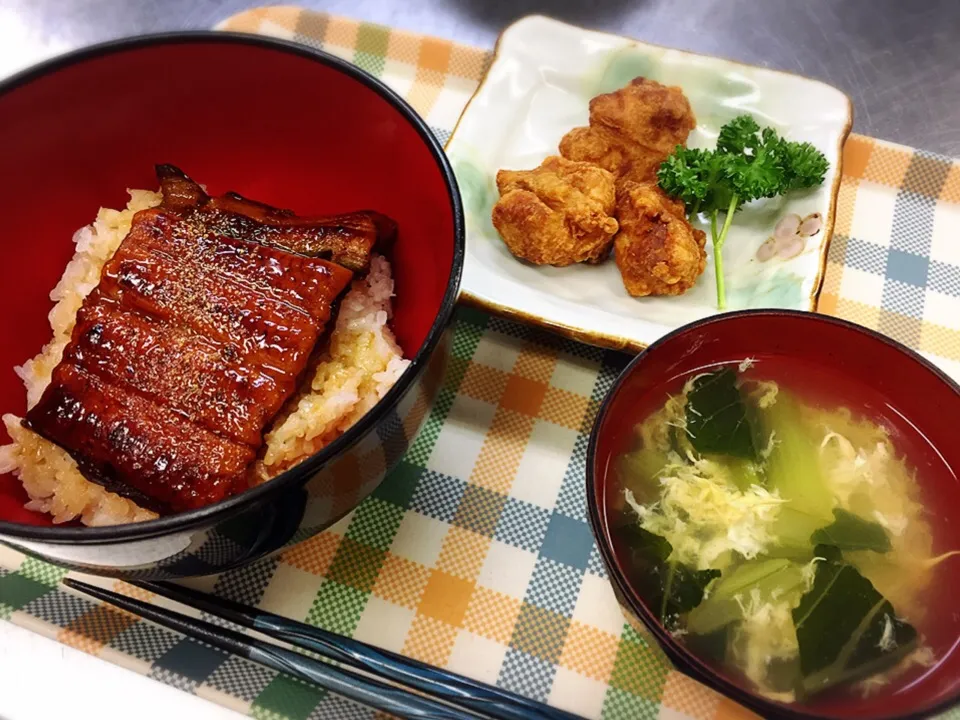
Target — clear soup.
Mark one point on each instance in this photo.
(769, 512)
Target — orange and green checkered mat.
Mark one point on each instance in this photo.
(475, 553)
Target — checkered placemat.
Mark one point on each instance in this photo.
(475, 554)
(894, 261)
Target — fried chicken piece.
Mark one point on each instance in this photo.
(646, 112)
(557, 214)
(632, 130)
(613, 152)
(656, 250)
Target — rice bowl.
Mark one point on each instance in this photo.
(287, 149)
(360, 364)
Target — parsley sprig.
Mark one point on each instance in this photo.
(747, 164)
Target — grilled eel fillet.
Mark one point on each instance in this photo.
(197, 333)
(347, 240)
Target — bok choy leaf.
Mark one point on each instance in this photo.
(669, 588)
(851, 532)
(845, 628)
(717, 416)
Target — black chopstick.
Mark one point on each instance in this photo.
(467, 698)
(373, 693)
(488, 700)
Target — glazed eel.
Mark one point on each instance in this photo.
(198, 332)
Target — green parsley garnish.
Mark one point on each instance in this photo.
(747, 164)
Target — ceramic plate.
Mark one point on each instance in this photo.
(538, 88)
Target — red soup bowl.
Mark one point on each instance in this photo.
(274, 121)
(918, 401)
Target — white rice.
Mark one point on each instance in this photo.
(361, 364)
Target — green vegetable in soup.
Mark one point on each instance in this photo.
(792, 466)
(668, 588)
(851, 532)
(793, 531)
(716, 420)
(793, 470)
(743, 473)
(845, 628)
(759, 581)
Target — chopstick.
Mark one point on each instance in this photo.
(477, 696)
(462, 697)
(370, 692)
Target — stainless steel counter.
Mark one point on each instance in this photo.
(897, 59)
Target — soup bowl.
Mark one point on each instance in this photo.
(272, 120)
(916, 396)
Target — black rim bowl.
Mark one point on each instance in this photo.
(304, 470)
(684, 660)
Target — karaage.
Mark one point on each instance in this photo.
(632, 130)
(612, 151)
(557, 214)
(656, 249)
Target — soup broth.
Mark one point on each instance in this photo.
(769, 515)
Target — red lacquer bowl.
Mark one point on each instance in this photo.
(274, 121)
(918, 400)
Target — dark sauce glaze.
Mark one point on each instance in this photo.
(198, 332)
(346, 239)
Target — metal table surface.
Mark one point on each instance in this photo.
(897, 59)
